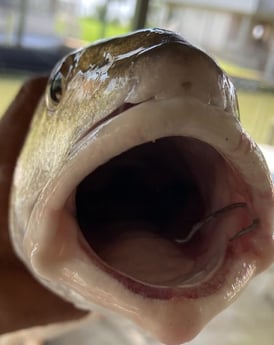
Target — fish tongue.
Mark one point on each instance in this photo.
(143, 255)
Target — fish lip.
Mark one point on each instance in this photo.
(36, 250)
(214, 283)
(135, 285)
(116, 112)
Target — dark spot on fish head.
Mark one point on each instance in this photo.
(186, 85)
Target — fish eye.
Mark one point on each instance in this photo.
(55, 90)
(56, 87)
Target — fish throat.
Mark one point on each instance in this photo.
(149, 214)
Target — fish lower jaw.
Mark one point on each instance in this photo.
(158, 214)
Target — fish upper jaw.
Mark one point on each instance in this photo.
(91, 92)
(60, 256)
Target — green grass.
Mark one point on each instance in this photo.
(257, 114)
(91, 29)
(238, 71)
(9, 85)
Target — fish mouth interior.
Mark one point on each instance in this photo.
(136, 210)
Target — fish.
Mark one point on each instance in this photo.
(24, 303)
(137, 192)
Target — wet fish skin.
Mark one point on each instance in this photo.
(98, 90)
(99, 79)
(24, 302)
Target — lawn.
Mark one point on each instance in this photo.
(238, 71)
(9, 85)
(91, 29)
(257, 114)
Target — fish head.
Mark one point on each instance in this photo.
(137, 190)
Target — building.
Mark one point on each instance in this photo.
(241, 31)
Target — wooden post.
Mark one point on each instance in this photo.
(103, 19)
(139, 20)
(22, 9)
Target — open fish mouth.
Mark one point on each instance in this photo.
(163, 215)
(162, 206)
(159, 206)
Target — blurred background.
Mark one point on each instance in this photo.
(239, 34)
